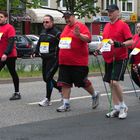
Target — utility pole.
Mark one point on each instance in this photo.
(8, 10)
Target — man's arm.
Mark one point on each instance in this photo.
(81, 36)
(10, 46)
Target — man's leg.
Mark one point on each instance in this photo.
(94, 94)
(66, 96)
(11, 64)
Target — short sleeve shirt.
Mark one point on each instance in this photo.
(118, 31)
(73, 51)
(6, 31)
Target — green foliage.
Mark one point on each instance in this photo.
(17, 5)
(3, 4)
(82, 7)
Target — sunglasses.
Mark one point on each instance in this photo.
(46, 22)
(138, 27)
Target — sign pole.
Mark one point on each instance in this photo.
(8, 10)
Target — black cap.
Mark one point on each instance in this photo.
(67, 14)
(112, 7)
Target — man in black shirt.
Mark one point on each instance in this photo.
(47, 48)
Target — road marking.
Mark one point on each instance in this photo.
(84, 97)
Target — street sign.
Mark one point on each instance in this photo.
(133, 17)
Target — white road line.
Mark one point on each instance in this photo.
(83, 97)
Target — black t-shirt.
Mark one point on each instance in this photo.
(48, 42)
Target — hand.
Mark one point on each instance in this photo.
(77, 31)
(4, 57)
(111, 42)
(96, 52)
(33, 55)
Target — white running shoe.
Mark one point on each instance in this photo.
(63, 108)
(112, 114)
(123, 112)
(45, 102)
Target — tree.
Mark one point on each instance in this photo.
(16, 5)
(81, 7)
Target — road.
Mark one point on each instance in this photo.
(25, 120)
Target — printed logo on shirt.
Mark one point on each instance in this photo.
(65, 43)
(44, 47)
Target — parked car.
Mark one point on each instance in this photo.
(34, 38)
(95, 41)
(24, 46)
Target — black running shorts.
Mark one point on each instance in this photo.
(115, 71)
(77, 75)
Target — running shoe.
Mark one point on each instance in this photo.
(63, 108)
(112, 114)
(15, 96)
(45, 102)
(123, 112)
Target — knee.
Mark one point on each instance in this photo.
(114, 83)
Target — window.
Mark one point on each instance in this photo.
(127, 6)
(44, 3)
(62, 4)
(108, 2)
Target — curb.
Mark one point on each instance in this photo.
(32, 79)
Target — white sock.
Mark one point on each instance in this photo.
(95, 93)
(122, 104)
(66, 101)
(117, 107)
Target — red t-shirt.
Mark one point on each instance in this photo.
(77, 53)
(118, 31)
(136, 44)
(6, 31)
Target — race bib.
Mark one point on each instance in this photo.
(65, 43)
(106, 46)
(1, 35)
(44, 47)
(135, 51)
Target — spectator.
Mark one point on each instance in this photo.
(8, 54)
(73, 60)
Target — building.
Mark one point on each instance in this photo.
(129, 12)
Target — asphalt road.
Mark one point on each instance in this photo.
(25, 120)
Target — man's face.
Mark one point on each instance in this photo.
(2, 19)
(113, 14)
(47, 23)
(70, 20)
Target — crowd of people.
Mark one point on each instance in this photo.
(68, 51)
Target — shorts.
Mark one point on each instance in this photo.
(115, 71)
(77, 75)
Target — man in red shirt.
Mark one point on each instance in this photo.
(8, 52)
(116, 36)
(73, 60)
